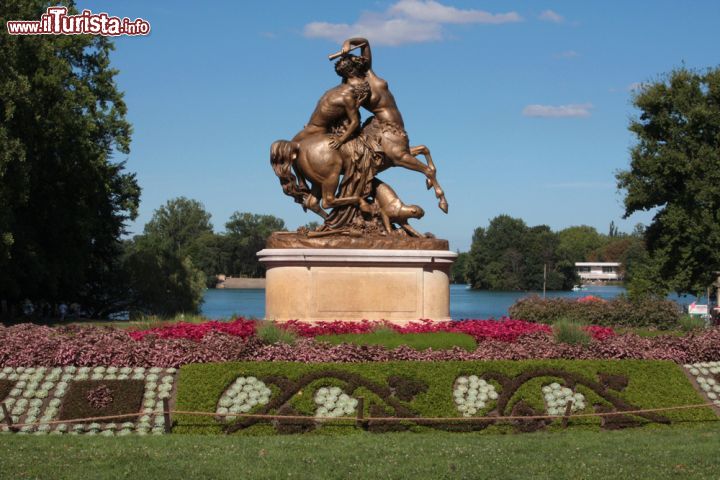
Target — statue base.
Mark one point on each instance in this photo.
(386, 242)
(326, 284)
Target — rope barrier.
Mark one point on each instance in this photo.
(370, 419)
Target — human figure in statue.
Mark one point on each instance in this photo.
(387, 128)
(337, 111)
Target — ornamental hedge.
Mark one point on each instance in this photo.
(618, 312)
(478, 391)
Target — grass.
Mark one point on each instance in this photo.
(270, 333)
(676, 453)
(689, 323)
(391, 339)
(569, 331)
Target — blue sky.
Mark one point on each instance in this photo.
(524, 105)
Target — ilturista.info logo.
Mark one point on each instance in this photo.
(56, 21)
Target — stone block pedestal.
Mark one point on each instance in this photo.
(326, 284)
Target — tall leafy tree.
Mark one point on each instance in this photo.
(179, 224)
(509, 255)
(675, 171)
(160, 281)
(576, 243)
(64, 201)
(247, 234)
(162, 264)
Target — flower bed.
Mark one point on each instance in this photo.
(52, 397)
(504, 329)
(480, 391)
(239, 327)
(32, 345)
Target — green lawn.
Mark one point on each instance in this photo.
(676, 453)
(393, 339)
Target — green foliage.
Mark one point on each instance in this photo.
(160, 281)
(65, 202)
(177, 225)
(622, 311)
(576, 243)
(270, 333)
(246, 235)
(509, 255)
(652, 384)
(459, 269)
(675, 169)
(567, 330)
(688, 323)
(392, 339)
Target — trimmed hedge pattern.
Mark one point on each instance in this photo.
(411, 390)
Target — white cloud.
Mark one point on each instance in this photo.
(634, 86)
(567, 54)
(558, 111)
(406, 21)
(551, 16)
(436, 12)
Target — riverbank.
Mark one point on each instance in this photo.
(240, 283)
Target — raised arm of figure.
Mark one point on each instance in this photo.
(365, 51)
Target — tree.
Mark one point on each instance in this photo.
(247, 234)
(162, 264)
(179, 224)
(576, 243)
(65, 202)
(161, 282)
(509, 255)
(675, 170)
(458, 271)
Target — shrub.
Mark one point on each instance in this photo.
(270, 333)
(392, 339)
(569, 331)
(621, 311)
(688, 323)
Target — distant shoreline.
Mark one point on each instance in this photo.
(241, 283)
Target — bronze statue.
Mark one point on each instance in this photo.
(340, 158)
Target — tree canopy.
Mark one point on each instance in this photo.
(246, 234)
(675, 172)
(509, 255)
(65, 201)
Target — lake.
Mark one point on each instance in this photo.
(464, 303)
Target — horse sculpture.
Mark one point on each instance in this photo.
(341, 161)
(313, 159)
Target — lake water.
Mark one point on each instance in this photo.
(464, 303)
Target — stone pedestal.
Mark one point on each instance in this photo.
(326, 284)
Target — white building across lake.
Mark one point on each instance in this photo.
(599, 271)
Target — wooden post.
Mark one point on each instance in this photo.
(166, 415)
(360, 412)
(568, 409)
(8, 418)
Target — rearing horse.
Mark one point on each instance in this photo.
(313, 158)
